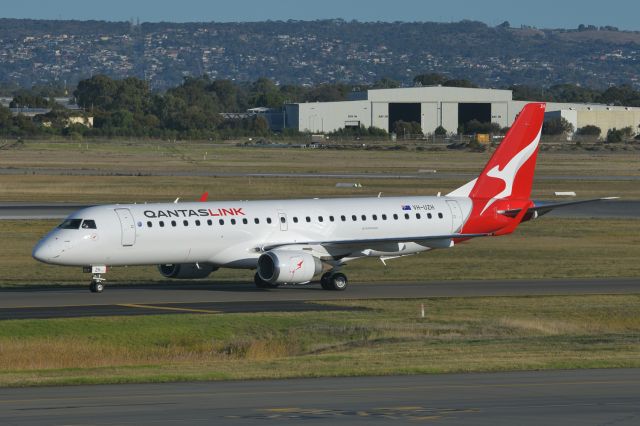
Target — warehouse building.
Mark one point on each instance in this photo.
(449, 107)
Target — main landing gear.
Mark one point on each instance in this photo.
(335, 281)
(97, 281)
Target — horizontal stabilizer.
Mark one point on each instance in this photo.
(541, 207)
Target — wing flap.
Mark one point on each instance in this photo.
(370, 242)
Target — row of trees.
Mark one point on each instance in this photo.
(128, 107)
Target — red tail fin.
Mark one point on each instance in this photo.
(508, 176)
(509, 172)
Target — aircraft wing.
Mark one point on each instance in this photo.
(541, 207)
(366, 243)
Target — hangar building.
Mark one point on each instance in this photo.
(448, 107)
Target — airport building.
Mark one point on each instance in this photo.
(449, 107)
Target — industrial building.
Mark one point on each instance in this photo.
(449, 107)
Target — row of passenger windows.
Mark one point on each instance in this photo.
(283, 219)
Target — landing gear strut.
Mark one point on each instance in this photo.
(335, 281)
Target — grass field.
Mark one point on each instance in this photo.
(390, 337)
(41, 171)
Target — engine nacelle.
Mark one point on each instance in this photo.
(292, 267)
(186, 270)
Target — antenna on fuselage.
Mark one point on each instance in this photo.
(176, 201)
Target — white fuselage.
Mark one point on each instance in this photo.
(233, 234)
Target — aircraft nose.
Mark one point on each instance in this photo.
(45, 252)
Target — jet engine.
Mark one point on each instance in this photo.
(291, 267)
(186, 270)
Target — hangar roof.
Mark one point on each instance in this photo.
(439, 93)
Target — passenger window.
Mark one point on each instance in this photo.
(221, 221)
(374, 217)
(354, 218)
(429, 216)
(89, 224)
(256, 221)
(161, 224)
(185, 222)
(149, 224)
(233, 221)
(70, 224)
(269, 220)
(384, 217)
(295, 219)
(209, 222)
(197, 223)
(332, 219)
(440, 215)
(282, 219)
(308, 219)
(245, 221)
(320, 219)
(395, 216)
(343, 218)
(173, 223)
(406, 215)
(364, 217)
(418, 216)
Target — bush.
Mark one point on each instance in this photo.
(589, 130)
(614, 136)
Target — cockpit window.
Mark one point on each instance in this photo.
(70, 224)
(89, 224)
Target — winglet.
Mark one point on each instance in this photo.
(204, 197)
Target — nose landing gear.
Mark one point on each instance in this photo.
(97, 281)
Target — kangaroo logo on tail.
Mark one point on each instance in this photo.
(509, 172)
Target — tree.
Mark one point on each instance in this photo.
(459, 82)
(404, 128)
(589, 130)
(440, 131)
(475, 126)
(429, 79)
(385, 83)
(556, 126)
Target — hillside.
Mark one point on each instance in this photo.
(313, 52)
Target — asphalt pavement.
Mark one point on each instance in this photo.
(174, 298)
(579, 397)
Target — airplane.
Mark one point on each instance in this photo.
(293, 241)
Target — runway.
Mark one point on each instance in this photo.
(302, 175)
(609, 209)
(233, 297)
(580, 397)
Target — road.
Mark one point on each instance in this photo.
(234, 297)
(609, 209)
(580, 397)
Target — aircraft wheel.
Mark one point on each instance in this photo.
(335, 282)
(325, 281)
(96, 287)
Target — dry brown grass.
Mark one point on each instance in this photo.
(458, 334)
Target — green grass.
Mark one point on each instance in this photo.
(545, 248)
(390, 337)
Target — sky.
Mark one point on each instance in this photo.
(624, 14)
